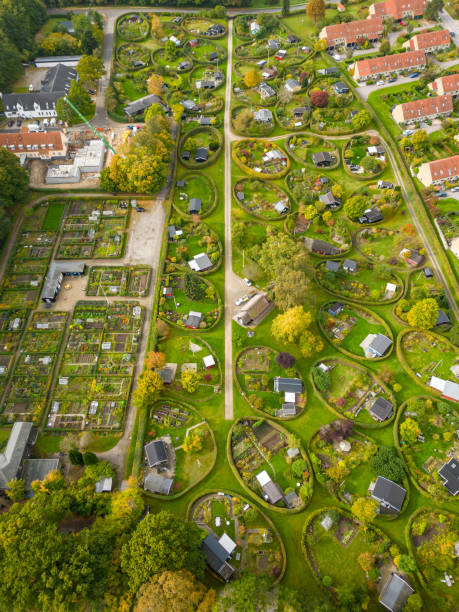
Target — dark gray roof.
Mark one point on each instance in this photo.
(202, 261)
(381, 408)
(332, 70)
(335, 308)
(217, 557)
(288, 409)
(291, 499)
(350, 264)
(442, 318)
(380, 344)
(273, 492)
(45, 100)
(428, 272)
(373, 215)
(194, 205)
(292, 385)
(58, 78)
(340, 86)
(324, 247)
(389, 493)
(193, 320)
(38, 469)
(167, 375)
(333, 266)
(395, 593)
(171, 231)
(158, 484)
(56, 271)
(12, 457)
(321, 157)
(156, 452)
(142, 103)
(201, 153)
(450, 475)
(58, 58)
(329, 199)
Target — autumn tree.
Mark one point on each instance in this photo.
(177, 591)
(289, 326)
(193, 441)
(423, 314)
(285, 360)
(243, 120)
(155, 84)
(384, 46)
(355, 206)
(419, 139)
(338, 471)
(155, 360)
(161, 542)
(366, 561)
(157, 29)
(414, 603)
(319, 97)
(409, 431)
(248, 593)
(81, 99)
(371, 164)
(405, 563)
(365, 509)
(90, 68)
(315, 10)
(16, 490)
(361, 120)
(252, 78)
(291, 288)
(149, 384)
(280, 252)
(310, 343)
(190, 380)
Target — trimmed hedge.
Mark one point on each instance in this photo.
(229, 454)
(256, 215)
(124, 17)
(218, 48)
(250, 171)
(188, 217)
(310, 164)
(189, 19)
(212, 157)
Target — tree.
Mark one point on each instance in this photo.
(10, 62)
(384, 46)
(423, 314)
(361, 120)
(149, 384)
(81, 99)
(90, 458)
(365, 509)
(248, 593)
(321, 378)
(433, 9)
(310, 343)
(156, 26)
(16, 490)
(174, 592)
(243, 120)
(161, 542)
(366, 561)
(454, 333)
(289, 326)
(193, 287)
(419, 139)
(315, 10)
(193, 441)
(285, 8)
(291, 288)
(279, 252)
(190, 380)
(371, 164)
(405, 563)
(75, 457)
(319, 97)
(155, 84)
(285, 360)
(409, 431)
(320, 45)
(386, 463)
(299, 466)
(14, 181)
(252, 78)
(414, 603)
(170, 49)
(57, 43)
(90, 68)
(155, 360)
(355, 206)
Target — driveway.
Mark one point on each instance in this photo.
(365, 90)
(449, 23)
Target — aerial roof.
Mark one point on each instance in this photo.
(13, 455)
(395, 593)
(389, 493)
(156, 452)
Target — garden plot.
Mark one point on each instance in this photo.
(363, 285)
(325, 225)
(131, 281)
(427, 439)
(261, 198)
(206, 52)
(199, 25)
(262, 158)
(95, 376)
(200, 138)
(133, 26)
(419, 288)
(432, 536)
(191, 240)
(427, 354)
(256, 368)
(93, 229)
(257, 543)
(365, 156)
(293, 113)
(384, 245)
(333, 120)
(30, 380)
(335, 541)
(207, 77)
(262, 453)
(347, 328)
(190, 301)
(132, 56)
(190, 442)
(350, 390)
(195, 186)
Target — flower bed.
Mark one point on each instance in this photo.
(260, 197)
(261, 158)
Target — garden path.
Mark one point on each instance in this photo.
(187, 432)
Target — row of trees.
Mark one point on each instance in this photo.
(87, 36)
(14, 184)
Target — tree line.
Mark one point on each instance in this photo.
(178, 3)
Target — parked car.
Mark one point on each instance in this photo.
(242, 300)
(413, 75)
(123, 205)
(247, 282)
(392, 79)
(407, 132)
(19, 123)
(453, 34)
(379, 83)
(10, 123)
(139, 209)
(442, 194)
(454, 189)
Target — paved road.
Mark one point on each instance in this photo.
(449, 23)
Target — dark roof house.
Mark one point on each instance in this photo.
(350, 265)
(332, 266)
(202, 154)
(194, 206)
(380, 345)
(158, 484)
(59, 78)
(193, 320)
(442, 319)
(217, 557)
(330, 200)
(156, 452)
(323, 158)
(335, 308)
(389, 494)
(395, 594)
(290, 385)
(381, 409)
(449, 473)
(324, 248)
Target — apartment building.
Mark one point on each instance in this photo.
(427, 108)
(398, 9)
(435, 172)
(383, 66)
(429, 41)
(448, 84)
(352, 33)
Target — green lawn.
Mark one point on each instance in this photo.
(53, 217)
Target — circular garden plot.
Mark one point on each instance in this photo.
(132, 56)
(256, 371)
(200, 146)
(353, 392)
(202, 26)
(205, 52)
(172, 62)
(252, 121)
(431, 537)
(425, 354)
(425, 430)
(261, 158)
(256, 545)
(194, 245)
(261, 198)
(420, 285)
(346, 326)
(364, 156)
(191, 302)
(382, 244)
(270, 464)
(207, 78)
(133, 26)
(194, 186)
(342, 551)
(189, 444)
(338, 93)
(361, 285)
(302, 147)
(294, 114)
(332, 120)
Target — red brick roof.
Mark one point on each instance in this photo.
(352, 31)
(389, 63)
(430, 39)
(427, 106)
(450, 82)
(13, 141)
(395, 8)
(443, 168)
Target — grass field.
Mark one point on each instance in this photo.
(53, 217)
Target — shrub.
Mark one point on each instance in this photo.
(75, 457)
(90, 458)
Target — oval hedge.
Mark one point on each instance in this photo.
(123, 18)
(261, 501)
(189, 20)
(348, 353)
(250, 171)
(200, 67)
(212, 155)
(356, 366)
(307, 163)
(209, 178)
(127, 67)
(208, 492)
(256, 215)
(260, 130)
(211, 467)
(221, 51)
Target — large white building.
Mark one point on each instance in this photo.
(89, 159)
